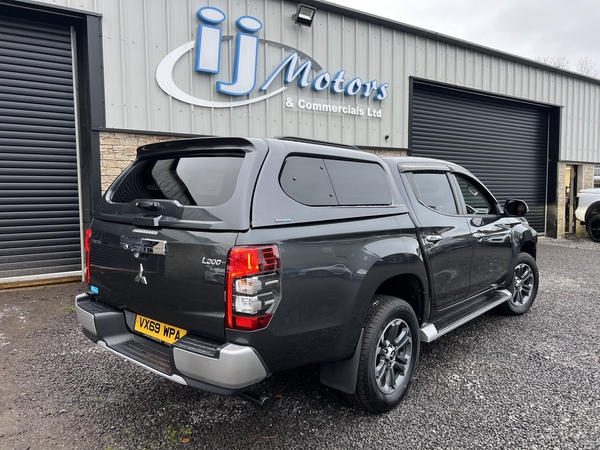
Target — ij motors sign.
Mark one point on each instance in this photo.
(244, 85)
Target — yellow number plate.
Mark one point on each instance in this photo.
(158, 330)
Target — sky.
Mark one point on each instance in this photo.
(526, 28)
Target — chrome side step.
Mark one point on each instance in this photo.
(430, 333)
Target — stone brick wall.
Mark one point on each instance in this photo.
(561, 200)
(588, 176)
(118, 150)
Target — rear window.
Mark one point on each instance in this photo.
(192, 181)
(332, 182)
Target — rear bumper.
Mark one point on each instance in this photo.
(201, 363)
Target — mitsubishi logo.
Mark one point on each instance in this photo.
(140, 277)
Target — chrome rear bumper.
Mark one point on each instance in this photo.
(215, 367)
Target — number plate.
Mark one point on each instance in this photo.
(158, 330)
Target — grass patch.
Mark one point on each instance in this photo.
(177, 435)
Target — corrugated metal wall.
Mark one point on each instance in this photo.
(137, 34)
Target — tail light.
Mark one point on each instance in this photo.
(253, 286)
(87, 246)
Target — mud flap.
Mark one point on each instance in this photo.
(342, 375)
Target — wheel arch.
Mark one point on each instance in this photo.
(592, 210)
(410, 288)
(530, 248)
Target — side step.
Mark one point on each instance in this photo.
(430, 333)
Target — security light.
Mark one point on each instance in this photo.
(304, 15)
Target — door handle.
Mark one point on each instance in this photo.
(433, 238)
(478, 235)
(144, 246)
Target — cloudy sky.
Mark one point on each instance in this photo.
(527, 28)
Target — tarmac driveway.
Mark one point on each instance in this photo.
(497, 382)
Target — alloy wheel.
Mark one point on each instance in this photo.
(393, 356)
(524, 282)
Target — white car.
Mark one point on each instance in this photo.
(588, 212)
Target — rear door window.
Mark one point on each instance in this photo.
(434, 191)
(475, 201)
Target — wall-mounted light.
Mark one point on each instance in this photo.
(304, 15)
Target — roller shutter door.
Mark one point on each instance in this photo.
(39, 204)
(503, 142)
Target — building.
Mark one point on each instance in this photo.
(84, 82)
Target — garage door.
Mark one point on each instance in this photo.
(39, 205)
(503, 142)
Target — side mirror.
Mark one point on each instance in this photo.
(515, 208)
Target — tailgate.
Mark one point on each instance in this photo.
(161, 233)
(171, 276)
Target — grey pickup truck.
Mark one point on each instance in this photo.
(215, 262)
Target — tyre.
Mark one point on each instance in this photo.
(524, 286)
(389, 355)
(593, 228)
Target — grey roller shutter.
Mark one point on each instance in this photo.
(503, 142)
(39, 205)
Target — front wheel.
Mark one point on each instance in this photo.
(389, 355)
(593, 228)
(524, 286)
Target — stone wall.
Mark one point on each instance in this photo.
(588, 176)
(561, 200)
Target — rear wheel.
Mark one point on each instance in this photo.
(389, 355)
(524, 287)
(593, 228)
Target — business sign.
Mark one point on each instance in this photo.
(295, 67)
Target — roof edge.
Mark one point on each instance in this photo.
(411, 29)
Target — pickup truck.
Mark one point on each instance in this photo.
(215, 262)
(588, 212)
